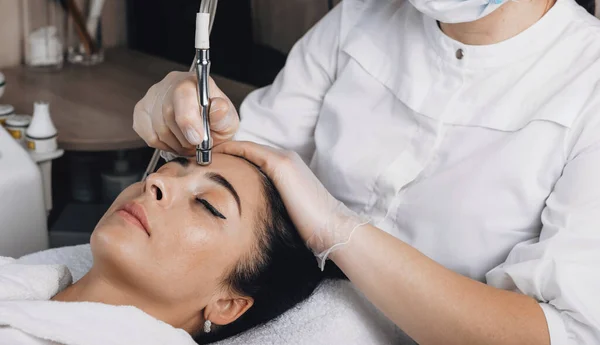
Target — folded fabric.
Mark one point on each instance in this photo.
(78, 259)
(337, 313)
(26, 282)
(82, 323)
(27, 316)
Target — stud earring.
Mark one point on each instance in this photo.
(207, 325)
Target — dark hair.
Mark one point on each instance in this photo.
(280, 273)
(589, 5)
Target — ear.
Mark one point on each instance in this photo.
(228, 309)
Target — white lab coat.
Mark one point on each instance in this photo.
(488, 164)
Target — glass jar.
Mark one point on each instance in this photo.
(44, 34)
(85, 48)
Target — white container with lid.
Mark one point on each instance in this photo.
(16, 125)
(41, 135)
(6, 110)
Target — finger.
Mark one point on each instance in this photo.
(157, 144)
(169, 117)
(142, 125)
(165, 135)
(224, 120)
(168, 138)
(214, 89)
(260, 155)
(187, 111)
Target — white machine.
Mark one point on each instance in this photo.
(23, 227)
(25, 179)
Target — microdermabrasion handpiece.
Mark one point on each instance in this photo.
(203, 23)
(210, 7)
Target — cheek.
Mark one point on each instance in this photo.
(198, 260)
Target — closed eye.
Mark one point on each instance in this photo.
(210, 208)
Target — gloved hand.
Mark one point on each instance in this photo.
(323, 222)
(168, 117)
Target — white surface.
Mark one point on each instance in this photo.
(22, 212)
(202, 31)
(27, 316)
(467, 160)
(335, 314)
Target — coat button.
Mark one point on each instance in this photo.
(460, 54)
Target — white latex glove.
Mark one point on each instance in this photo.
(168, 117)
(323, 222)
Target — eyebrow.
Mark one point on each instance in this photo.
(216, 178)
(222, 181)
(184, 162)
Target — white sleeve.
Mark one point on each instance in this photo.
(285, 113)
(562, 269)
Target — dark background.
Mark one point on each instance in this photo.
(166, 29)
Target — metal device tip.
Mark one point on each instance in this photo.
(203, 157)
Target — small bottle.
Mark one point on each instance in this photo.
(41, 135)
(17, 125)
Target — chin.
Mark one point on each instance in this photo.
(117, 251)
(126, 260)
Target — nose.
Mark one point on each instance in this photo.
(157, 188)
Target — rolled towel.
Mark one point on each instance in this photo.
(31, 282)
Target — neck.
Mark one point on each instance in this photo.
(94, 287)
(505, 22)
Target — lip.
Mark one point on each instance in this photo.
(137, 212)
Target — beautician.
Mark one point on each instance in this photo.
(454, 154)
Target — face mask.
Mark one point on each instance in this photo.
(456, 11)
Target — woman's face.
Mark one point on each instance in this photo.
(175, 237)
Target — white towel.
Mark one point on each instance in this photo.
(337, 313)
(26, 282)
(78, 259)
(27, 317)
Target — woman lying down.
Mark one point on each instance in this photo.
(194, 254)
